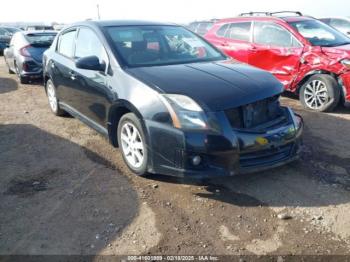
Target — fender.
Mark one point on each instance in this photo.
(115, 112)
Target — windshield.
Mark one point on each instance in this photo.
(320, 34)
(12, 29)
(40, 39)
(160, 45)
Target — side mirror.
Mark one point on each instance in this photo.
(348, 33)
(90, 63)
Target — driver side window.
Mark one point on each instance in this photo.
(88, 44)
(270, 34)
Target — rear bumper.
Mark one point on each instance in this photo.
(2, 47)
(29, 67)
(229, 153)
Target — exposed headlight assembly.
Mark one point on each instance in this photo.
(346, 62)
(184, 112)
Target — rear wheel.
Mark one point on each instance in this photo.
(22, 79)
(132, 144)
(52, 98)
(320, 93)
(8, 67)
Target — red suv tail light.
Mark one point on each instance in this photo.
(24, 51)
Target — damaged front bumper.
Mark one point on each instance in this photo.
(230, 152)
(344, 80)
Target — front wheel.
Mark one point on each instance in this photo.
(131, 140)
(320, 93)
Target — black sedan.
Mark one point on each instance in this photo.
(25, 53)
(171, 101)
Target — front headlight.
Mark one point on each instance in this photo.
(346, 62)
(184, 112)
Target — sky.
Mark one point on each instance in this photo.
(177, 11)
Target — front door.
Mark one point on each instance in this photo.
(276, 50)
(91, 88)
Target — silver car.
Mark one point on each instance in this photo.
(25, 52)
(342, 24)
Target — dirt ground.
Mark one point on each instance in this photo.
(65, 190)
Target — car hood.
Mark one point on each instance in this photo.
(339, 52)
(215, 85)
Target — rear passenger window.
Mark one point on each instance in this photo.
(239, 31)
(270, 34)
(222, 31)
(66, 43)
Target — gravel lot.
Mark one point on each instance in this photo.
(65, 190)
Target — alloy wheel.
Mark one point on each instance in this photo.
(132, 145)
(51, 94)
(316, 94)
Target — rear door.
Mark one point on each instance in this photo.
(62, 66)
(276, 50)
(234, 40)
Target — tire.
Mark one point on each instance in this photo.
(23, 80)
(52, 99)
(130, 148)
(320, 93)
(8, 67)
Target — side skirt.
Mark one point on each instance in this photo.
(89, 122)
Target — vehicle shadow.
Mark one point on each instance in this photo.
(54, 199)
(7, 85)
(292, 100)
(320, 178)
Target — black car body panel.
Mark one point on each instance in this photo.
(227, 92)
(217, 86)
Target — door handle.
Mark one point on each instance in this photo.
(52, 65)
(253, 49)
(73, 76)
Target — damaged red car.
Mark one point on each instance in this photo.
(309, 57)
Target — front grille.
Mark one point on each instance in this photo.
(259, 115)
(266, 156)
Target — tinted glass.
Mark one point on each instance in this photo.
(203, 28)
(40, 39)
(319, 33)
(160, 45)
(12, 29)
(273, 35)
(223, 29)
(239, 31)
(340, 23)
(3, 32)
(66, 43)
(88, 44)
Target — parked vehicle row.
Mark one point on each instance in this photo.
(309, 57)
(5, 37)
(25, 53)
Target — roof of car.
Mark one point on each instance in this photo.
(39, 32)
(266, 18)
(104, 23)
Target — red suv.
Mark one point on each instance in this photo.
(309, 57)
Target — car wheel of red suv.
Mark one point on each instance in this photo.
(320, 93)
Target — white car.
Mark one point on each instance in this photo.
(342, 24)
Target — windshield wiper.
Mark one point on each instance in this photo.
(337, 44)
